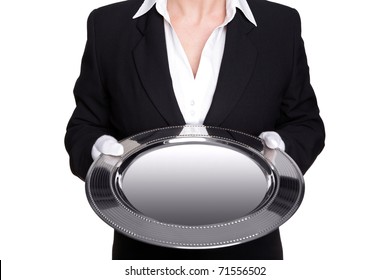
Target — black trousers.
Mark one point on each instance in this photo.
(268, 247)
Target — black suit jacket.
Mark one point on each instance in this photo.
(125, 85)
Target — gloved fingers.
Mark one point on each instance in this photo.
(112, 148)
(272, 140)
(95, 153)
(107, 145)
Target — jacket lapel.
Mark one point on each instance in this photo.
(238, 63)
(151, 60)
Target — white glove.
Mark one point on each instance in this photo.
(107, 145)
(273, 140)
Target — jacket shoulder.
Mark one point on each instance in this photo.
(269, 6)
(270, 11)
(117, 10)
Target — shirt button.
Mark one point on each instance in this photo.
(192, 102)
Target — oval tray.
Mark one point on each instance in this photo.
(195, 187)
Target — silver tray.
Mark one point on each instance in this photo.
(195, 187)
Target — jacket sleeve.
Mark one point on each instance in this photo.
(90, 118)
(300, 124)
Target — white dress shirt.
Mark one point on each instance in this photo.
(195, 94)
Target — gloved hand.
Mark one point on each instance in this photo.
(107, 145)
(272, 140)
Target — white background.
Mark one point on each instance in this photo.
(49, 231)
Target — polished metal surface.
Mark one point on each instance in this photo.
(194, 184)
(195, 187)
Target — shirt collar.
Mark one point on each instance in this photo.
(231, 6)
